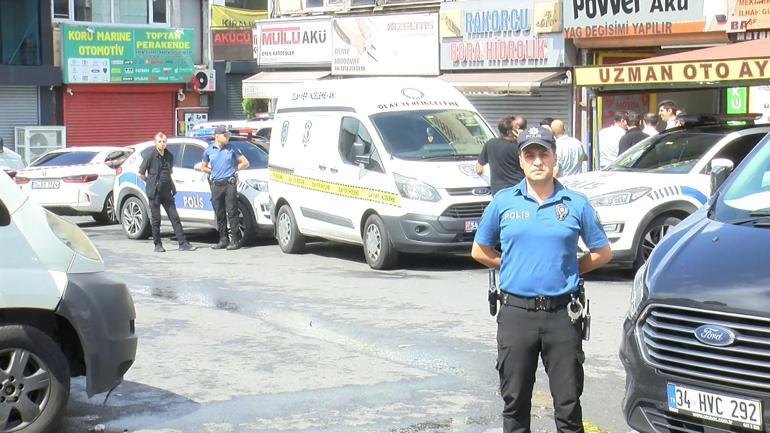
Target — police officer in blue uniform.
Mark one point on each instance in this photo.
(222, 161)
(538, 223)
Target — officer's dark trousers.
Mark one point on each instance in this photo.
(224, 198)
(522, 335)
(166, 199)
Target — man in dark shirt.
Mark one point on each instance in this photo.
(502, 155)
(156, 170)
(634, 134)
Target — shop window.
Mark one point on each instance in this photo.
(112, 11)
(257, 5)
(19, 33)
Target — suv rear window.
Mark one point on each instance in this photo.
(64, 158)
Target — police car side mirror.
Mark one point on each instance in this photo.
(720, 170)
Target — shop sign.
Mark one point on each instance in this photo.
(611, 104)
(127, 55)
(748, 15)
(232, 44)
(681, 72)
(614, 18)
(385, 45)
(547, 18)
(494, 35)
(293, 42)
(749, 36)
(736, 100)
(227, 17)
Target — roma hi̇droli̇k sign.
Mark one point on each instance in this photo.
(127, 55)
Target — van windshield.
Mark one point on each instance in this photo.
(746, 195)
(432, 134)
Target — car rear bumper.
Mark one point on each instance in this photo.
(102, 312)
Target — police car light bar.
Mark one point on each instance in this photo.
(749, 118)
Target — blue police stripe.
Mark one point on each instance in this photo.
(694, 193)
(193, 200)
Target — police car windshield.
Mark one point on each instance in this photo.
(675, 152)
(256, 156)
(746, 194)
(64, 158)
(432, 134)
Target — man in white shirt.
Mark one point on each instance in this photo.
(650, 121)
(609, 138)
(569, 151)
(667, 112)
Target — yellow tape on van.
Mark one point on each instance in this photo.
(343, 190)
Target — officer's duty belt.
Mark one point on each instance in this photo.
(224, 181)
(537, 303)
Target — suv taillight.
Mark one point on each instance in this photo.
(85, 178)
(21, 180)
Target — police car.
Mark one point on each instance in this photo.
(660, 181)
(193, 198)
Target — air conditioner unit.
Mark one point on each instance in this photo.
(205, 80)
(33, 141)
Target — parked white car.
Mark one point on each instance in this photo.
(193, 197)
(61, 315)
(75, 180)
(659, 182)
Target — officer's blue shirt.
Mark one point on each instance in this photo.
(539, 242)
(222, 161)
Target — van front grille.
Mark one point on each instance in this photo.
(667, 337)
(465, 210)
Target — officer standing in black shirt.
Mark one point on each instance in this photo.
(502, 155)
(156, 170)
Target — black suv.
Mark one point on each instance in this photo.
(696, 344)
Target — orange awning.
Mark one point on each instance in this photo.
(739, 64)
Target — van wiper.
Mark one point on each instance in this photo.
(757, 219)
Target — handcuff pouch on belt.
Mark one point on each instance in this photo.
(579, 308)
(493, 295)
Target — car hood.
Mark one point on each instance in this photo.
(442, 174)
(708, 262)
(596, 183)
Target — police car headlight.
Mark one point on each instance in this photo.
(72, 236)
(415, 189)
(616, 198)
(638, 292)
(259, 185)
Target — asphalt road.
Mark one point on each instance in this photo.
(258, 341)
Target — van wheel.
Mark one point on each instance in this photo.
(289, 237)
(247, 227)
(378, 249)
(34, 380)
(652, 236)
(135, 218)
(108, 215)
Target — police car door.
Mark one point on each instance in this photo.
(193, 197)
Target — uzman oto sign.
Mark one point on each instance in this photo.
(127, 55)
(684, 72)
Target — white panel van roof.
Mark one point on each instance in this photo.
(372, 95)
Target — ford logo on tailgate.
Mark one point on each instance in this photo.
(715, 335)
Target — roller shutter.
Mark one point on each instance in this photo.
(235, 96)
(118, 114)
(19, 106)
(550, 101)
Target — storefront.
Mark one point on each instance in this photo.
(509, 58)
(749, 21)
(122, 84)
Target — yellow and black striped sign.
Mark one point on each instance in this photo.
(351, 191)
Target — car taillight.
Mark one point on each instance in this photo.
(21, 180)
(118, 171)
(85, 178)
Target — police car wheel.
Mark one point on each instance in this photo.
(247, 227)
(378, 250)
(135, 218)
(289, 237)
(35, 381)
(652, 236)
(108, 215)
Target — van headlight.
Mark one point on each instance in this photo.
(259, 185)
(415, 189)
(72, 236)
(638, 292)
(617, 198)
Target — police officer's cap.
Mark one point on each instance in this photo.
(537, 135)
(221, 130)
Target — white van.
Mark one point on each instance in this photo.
(387, 163)
(61, 316)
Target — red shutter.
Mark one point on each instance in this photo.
(118, 114)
